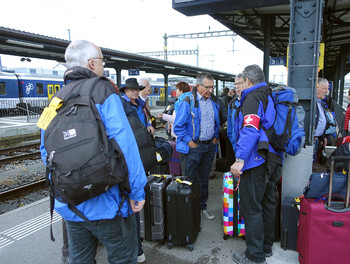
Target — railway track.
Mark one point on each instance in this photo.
(19, 191)
(10, 157)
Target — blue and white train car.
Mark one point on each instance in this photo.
(9, 93)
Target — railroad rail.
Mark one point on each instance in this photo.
(33, 155)
(15, 192)
(20, 148)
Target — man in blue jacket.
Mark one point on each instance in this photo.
(258, 165)
(117, 231)
(196, 126)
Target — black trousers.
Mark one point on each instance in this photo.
(258, 207)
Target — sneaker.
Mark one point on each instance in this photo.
(240, 258)
(268, 254)
(207, 214)
(212, 175)
(141, 258)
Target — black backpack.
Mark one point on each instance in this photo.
(143, 138)
(82, 161)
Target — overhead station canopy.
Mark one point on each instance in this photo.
(19, 43)
(246, 18)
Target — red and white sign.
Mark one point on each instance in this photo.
(252, 120)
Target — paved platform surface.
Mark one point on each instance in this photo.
(25, 232)
(25, 238)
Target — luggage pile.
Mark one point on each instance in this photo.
(324, 222)
(172, 210)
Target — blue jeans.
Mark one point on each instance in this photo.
(198, 165)
(118, 235)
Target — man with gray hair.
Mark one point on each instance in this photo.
(257, 164)
(111, 220)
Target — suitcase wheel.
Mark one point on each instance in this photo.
(170, 246)
(226, 237)
(190, 247)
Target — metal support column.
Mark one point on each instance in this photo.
(166, 81)
(118, 72)
(304, 41)
(336, 82)
(343, 59)
(267, 25)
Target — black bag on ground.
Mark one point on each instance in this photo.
(340, 164)
(82, 161)
(164, 149)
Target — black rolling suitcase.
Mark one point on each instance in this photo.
(152, 222)
(182, 212)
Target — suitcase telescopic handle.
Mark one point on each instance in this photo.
(331, 180)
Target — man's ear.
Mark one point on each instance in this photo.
(91, 65)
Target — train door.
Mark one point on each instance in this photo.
(52, 89)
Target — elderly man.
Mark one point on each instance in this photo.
(115, 229)
(196, 126)
(131, 91)
(257, 176)
(321, 121)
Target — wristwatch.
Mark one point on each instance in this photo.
(239, 160)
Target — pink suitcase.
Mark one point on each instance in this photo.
(324, 229)
(174, 163)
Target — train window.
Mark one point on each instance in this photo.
(39, 88)
(2, 88)
(156, 90)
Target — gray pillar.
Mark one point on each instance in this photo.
(343, 59)
(304, 41)
(267, 39)
(119, 76)
(336, 81)
(166, 80)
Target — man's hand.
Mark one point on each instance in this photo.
(191, 144)
(214, 141)
(151, 130)
(136, 206)
(236, 168)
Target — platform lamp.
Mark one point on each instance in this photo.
(26, 59)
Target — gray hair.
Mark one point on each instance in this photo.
(322, 80)
(238, 76)
(79, 52)
(204, 75)
(254, 73)
(143, 80)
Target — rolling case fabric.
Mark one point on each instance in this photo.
(324, 228)
(152, 222)
(233, 222)
(174, 163)
(182, 212)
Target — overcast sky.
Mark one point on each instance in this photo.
(130, 26)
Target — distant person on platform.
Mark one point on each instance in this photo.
(144, 93)
(117, 231)
(225, 97)
(347, 117)
(321, 120)
(130, 92)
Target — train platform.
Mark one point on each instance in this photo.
(25, 232)
(25, 238)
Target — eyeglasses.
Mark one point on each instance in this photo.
(102, 59)
(209, 87)
(239, 83)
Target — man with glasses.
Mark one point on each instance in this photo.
(257, 164)
(111, 219)
(144, 93)
(196, 126)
